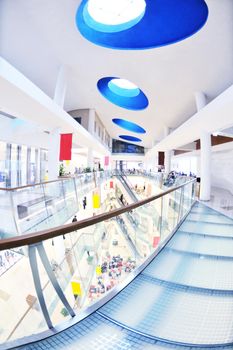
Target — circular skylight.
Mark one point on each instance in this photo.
(140, 24)
(123, 87)
(122, 93)
(130, 126)
(115, 12)
(130, 138)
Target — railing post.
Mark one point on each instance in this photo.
(180, 205)
(13, 210)
(161, 218)
(37, 282)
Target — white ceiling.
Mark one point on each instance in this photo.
(38, 36)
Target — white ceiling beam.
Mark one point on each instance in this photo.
(25, 100)
(216, 115)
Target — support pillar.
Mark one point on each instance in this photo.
(54, 150)
(61, 86)
(91, 121)
(205, 166)
(90, 158)
(54, 142)
(167, 154)
(205, 159)
(53, 154)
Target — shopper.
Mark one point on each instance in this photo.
(84, 202)
(122, 198)
(74, 219)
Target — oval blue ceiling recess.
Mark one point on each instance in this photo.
(130, 126)
(164, 22)
(130, 138)
(122, 99)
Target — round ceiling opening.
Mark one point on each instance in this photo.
(140, 24)
(130, 138)
(122, 93)
(130, 126)
(113, 15)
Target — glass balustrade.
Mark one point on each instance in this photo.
(49, 282)
(41, 206)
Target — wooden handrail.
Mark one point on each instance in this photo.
(36, 237)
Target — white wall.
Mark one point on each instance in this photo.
(185, 164)
(222, 170)
(221, 165)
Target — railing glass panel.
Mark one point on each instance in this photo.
(8, 214)
(20, 310)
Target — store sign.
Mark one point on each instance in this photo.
(76, 288)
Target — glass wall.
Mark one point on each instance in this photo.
(21, 165)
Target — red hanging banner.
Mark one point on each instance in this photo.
(65, 146)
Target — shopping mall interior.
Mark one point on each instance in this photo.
(116, 174)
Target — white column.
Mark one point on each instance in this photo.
(53, 154)
(205, 161)
(90, 158)
(61, 86)
(91, 121)
(167, 154)
(54, 142)
(200, 98)
(205, 166)
(54, 150)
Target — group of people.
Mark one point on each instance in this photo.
(111, 271)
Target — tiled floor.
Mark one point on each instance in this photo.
(184, 296)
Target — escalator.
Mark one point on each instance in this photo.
(124, 182)
(130, 241)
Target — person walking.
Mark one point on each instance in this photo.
(74, 219)
(84, 202)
